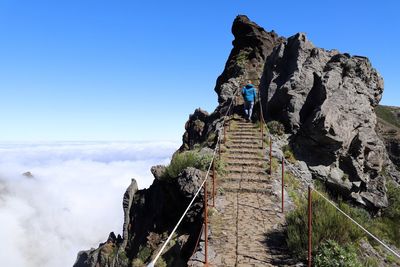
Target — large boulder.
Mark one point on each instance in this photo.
(196, 129)
(326, 100)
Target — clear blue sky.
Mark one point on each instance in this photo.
(135, 70)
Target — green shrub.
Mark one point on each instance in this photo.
(293, 187)
(275, 165)
(370, 262)
(144, 253)
(220, 166)
(331, 254)
(288, 154)
(161, 263)
(328, 224)
(387, 226)
(393, 210)
(242, 58)
(275, 127)
(257, 124)
(391, 258)
(386, 114)
(181, 161)
(138, 263)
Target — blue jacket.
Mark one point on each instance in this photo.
(249, 93)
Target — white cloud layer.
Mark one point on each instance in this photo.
(74, 199)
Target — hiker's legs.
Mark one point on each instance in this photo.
(246, 109)
(251, 105)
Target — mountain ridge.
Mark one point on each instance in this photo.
(326, 101)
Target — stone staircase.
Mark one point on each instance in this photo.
(246, 229)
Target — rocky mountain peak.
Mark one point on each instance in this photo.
(326, 101)
(251, 47)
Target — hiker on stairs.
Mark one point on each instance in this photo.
(249, 93)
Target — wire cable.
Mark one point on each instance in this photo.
(152, 263)
(359, 225)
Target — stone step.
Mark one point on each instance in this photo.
(245, 134)
(248, 190)
(255, 160)
(247, 169)
(244, 157)
(247, 129)
(246, 163)
(250, 180)
(252, 176)
(250, 141)
(238, 151)
(244, 125)
(244, 146)
(245, 141)
(244, 122)
(244, 129)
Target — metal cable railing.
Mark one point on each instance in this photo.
(218, 144)
(356, 223)
(310, 189)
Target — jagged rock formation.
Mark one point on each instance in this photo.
(148, 216)
(326, 100)
(251, 47)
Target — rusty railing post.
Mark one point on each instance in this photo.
(283, 184)
(270, 156)
(309, 226)
(205, 226)
(213, 185)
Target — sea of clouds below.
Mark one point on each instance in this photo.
(74, 199)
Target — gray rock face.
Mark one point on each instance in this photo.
(189, 181)
(251, 47)
(196, 129)
(326, 100)
(108, 254)
(157, 171)
(149, 215)
(127, 205)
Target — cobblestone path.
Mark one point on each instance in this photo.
(246, 230)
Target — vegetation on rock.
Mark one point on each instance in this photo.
(275, 127)
(332, 231)
(181, 161)
(331, 254)
(387, 114)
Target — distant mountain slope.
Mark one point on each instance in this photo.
(388, 128)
